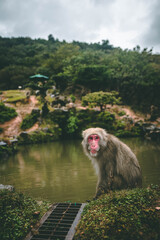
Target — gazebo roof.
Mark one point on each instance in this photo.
(39, 76)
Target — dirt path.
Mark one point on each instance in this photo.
(132, 114)
(12, 127)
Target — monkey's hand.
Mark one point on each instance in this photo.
(101, 190)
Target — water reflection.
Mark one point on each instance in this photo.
(59, 171)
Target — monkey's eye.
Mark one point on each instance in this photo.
(90, 138)
(97, 137)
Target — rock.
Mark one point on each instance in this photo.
(70, 105)
(147, 127)
(151, 131)
(139, 123)
(13, 141)
(7, 187)
(46, 129)
(128, 119)
(3, 143)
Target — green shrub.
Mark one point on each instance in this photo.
(122, 215)
(6, 113)
(107, 118)
(40, 136)
(121, 113)
(17, 214)
(72, 124)
(120, 124)
(125, 133)
(73, 98)
(60, 118)
(29, 120)
(134, 131)
(91, 118)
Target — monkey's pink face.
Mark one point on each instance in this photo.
(93, 142)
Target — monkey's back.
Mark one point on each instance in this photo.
(128, 171)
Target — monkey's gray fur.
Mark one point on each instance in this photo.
(116, 165)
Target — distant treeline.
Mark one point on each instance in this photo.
(95, 66)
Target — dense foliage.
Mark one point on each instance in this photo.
(71, 123)
(6, 113)
(122, 215)
(89, 67)
(18, 214)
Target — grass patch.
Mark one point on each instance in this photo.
(122, 215)
(18, 214)
(13, 96)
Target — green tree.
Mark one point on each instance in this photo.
(101, 99)
(57, 60)
(87, 68)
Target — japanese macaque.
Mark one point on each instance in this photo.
(116, 165)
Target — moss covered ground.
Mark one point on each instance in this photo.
(122, 215)
(18, 214)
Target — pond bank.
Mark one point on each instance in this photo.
(120, 215)
(68, 124)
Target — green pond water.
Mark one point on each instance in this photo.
(59, 171)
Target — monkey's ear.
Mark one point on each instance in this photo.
(83, 133)
(104, 132)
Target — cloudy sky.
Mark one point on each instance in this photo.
(125, 23)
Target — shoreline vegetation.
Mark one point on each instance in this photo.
(22, 122)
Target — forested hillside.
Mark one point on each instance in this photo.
(78, 65)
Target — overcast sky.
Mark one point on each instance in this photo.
(125, 23)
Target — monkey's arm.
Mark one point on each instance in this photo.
(105, 178)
